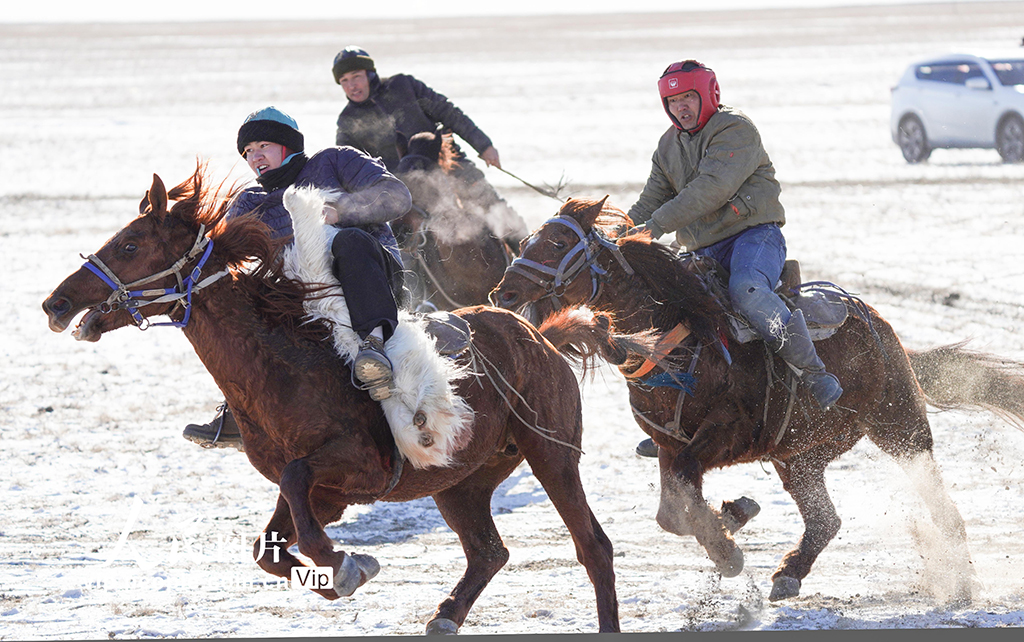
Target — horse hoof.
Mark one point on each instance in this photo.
(442, 626)
(355, 571)
(783, 588)
(733, 566)
(736, 514)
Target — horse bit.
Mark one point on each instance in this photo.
(124, 297)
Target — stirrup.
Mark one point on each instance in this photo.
(372, 369)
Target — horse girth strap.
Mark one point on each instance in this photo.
(666, 344)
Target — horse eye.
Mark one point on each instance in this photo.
(560, 245)
(129, 248)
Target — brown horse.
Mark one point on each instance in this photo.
(306, 428)
(451, 240)
(724, 412)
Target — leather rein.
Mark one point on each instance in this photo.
(127, 298)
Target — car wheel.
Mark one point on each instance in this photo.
(1010, 139)
(912, 140)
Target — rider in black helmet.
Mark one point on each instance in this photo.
(381, 111)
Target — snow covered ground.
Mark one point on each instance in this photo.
(90, 445)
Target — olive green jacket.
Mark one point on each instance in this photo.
(711, 185)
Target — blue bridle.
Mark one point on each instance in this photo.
(580, 257)
(124, 297)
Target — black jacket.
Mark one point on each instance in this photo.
(402, 104)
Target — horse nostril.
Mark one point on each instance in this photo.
(57, 306)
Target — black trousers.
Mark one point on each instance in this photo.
(369, 276)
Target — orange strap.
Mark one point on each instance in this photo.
(666, 344)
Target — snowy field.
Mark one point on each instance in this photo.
(90, 445)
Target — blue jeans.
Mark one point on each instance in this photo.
(754, 258)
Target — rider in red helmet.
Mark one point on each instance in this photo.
(690, 75)
(713, 185)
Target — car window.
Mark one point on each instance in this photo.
(954, 72)
(1009, 72)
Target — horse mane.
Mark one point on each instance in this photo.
(248, 249)
(679, 292)
(447, 160)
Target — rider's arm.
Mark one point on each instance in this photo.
(657, 191)
(371, 194)
(437, 107)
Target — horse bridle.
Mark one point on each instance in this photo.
(580, 257)
(124, 297)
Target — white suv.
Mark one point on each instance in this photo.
(961, 100)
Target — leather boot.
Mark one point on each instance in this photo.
(797, 349)
(222, 432)
(373, 369)
(647, 448)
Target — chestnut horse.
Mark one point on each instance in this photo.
(451, 240)
(731, 404)
(306, 428)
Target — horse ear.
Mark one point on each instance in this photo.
(157, 195)
(144, 203)
(589, 212)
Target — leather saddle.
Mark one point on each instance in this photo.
(825, 311)
(452, 333)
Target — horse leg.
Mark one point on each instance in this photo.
(271, 548)
(923, 472)
(556, 467)
(337, 464)
(803, 477)
(684, 511)
(466, 508)
(674, 518)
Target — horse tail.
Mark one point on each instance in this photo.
(582, 336)
(953, 377)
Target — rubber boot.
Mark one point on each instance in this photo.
(222, 432)
(797, 349)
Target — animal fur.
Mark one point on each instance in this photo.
(423, 380)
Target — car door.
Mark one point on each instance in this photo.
(972, 112)
(938, 86)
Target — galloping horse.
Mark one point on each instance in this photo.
(730, 403)
(306, 428)
(451, 240)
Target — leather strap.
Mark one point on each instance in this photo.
(666, 344)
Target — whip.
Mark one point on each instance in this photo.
(547, 190)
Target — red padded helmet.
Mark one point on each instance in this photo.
(681, 77)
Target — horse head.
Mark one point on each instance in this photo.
(163, 250)
(554, 261)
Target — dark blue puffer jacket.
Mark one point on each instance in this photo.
(369, 195)
(402, 105)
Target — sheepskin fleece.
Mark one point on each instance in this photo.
(423, 379)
